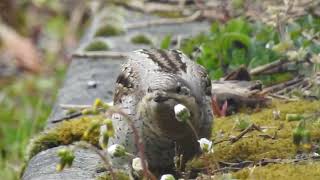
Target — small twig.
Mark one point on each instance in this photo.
(252, 127)
(232, 140)
(158, 22)
(99, 54)
(74, 115)
(280, 86)
(268, 136)
(282, 97)
(263, 68)
(307, 87)
(225, 169)
(293, 86)
(68, 117)
(239, 164)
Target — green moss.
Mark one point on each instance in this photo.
(308, 170)
(65, 133)
(141, 39)
(237, 4)
(253, 147)
(120, 175)
(97, 45)
(109, 30)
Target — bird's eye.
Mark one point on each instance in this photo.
(178, 89)
(149, 90)
(208, 86)
(183, 90)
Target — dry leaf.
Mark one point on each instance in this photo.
(21, 48)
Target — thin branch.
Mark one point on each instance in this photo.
(74, 115)
(252, 127)
(263, 68)
(232, 140)
(302, 83)
(68, 117)
(282, 97)
(225, 169)
(268, 136)
(280, 86)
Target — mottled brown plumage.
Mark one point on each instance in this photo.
(151, 83)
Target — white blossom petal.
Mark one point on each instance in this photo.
(205, 145)
(116, 150)
(181, 112)
(137, 164)
(167, 177)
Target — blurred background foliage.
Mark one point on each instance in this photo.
(240, 42)
(36, 39)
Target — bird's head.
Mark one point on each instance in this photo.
(161, 96)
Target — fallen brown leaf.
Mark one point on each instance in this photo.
(21, 48)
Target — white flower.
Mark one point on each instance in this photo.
(276, 114)
(315, 154)
(117, 150)
(179, 108)
(268, 45)
(167, 177)
(205, 145)
(181, 112)
(137, 164)
(110, 103)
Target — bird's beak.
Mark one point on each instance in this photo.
(160, 96)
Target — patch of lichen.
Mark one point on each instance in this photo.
(97, 45)
(65, 133)
(141, 39)
(253, 146)
(301, 171)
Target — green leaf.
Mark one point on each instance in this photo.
(216, 74)
(238, 25)
(166, 41)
